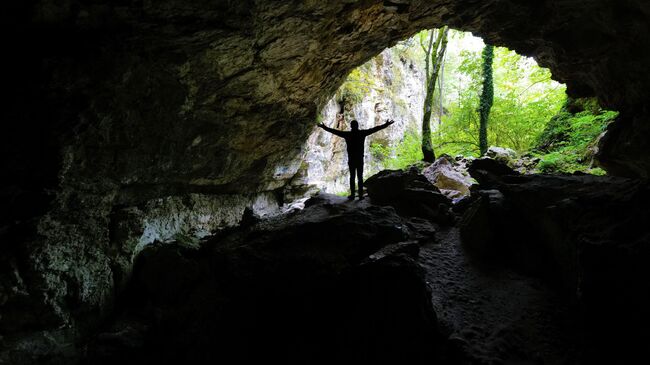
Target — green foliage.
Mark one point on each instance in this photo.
(565, 163)
(567, 143)
(406, 153)
(529, 111)
(525, 98)
(359, 83)
(487, 97)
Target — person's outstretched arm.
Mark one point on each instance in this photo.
(332, 130)
(379, 127)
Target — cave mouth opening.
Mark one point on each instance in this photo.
(532, 124)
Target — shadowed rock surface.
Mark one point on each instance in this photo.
(492, 314)
(344, 282)
(411, 193)
(114, 105)
(585, 234)
(334, 283)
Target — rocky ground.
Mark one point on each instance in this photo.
(336, 282)
(529, 269)
(494, 315)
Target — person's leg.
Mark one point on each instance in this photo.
(360, 179)
(352, 170)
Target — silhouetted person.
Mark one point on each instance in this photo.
(354, 139)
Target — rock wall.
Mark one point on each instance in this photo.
(337, 281)
(81, 259)
(396, 92)
(116, 103)
(82, 252)
(585, 234)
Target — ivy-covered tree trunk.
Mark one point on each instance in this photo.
(487, 97)
(435, 53)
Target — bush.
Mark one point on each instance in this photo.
(358, 84)
(406, 153)
(569, 141)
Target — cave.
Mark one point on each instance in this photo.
(147, 147)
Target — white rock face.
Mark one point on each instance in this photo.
(181, 219)
(198, 215)
(397, 93)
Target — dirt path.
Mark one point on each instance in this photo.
(494, 315)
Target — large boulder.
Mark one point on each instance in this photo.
(488, 171)
(410, 193)
(526, 164)
(450, 177)
(586, 234)
(502, 154)
(334, 283)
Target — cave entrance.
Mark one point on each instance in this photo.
(532, 124)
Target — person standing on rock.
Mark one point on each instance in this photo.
(355, 139)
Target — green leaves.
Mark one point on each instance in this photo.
(359, 83)
(525, 99)
(526, 113)
(487, 97)
(408, 152)
(568, 142)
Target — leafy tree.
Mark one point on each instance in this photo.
(434, 56)
(408, 152)
(524, 113)
(524, 100)
(487, 97)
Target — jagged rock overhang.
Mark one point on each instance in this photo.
(224, 93)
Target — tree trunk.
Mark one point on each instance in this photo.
(434, 57)
(487, 97)
(440, 89)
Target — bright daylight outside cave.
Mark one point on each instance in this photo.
(532, 125)
(335, 182)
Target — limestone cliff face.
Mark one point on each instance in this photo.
(396, 92)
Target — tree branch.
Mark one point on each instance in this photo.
(531, 85)
(457, 142)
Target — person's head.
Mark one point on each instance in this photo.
(354, 125)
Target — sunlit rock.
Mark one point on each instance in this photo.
(502, 154)
(450, 176)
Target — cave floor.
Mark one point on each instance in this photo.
(494, 315)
